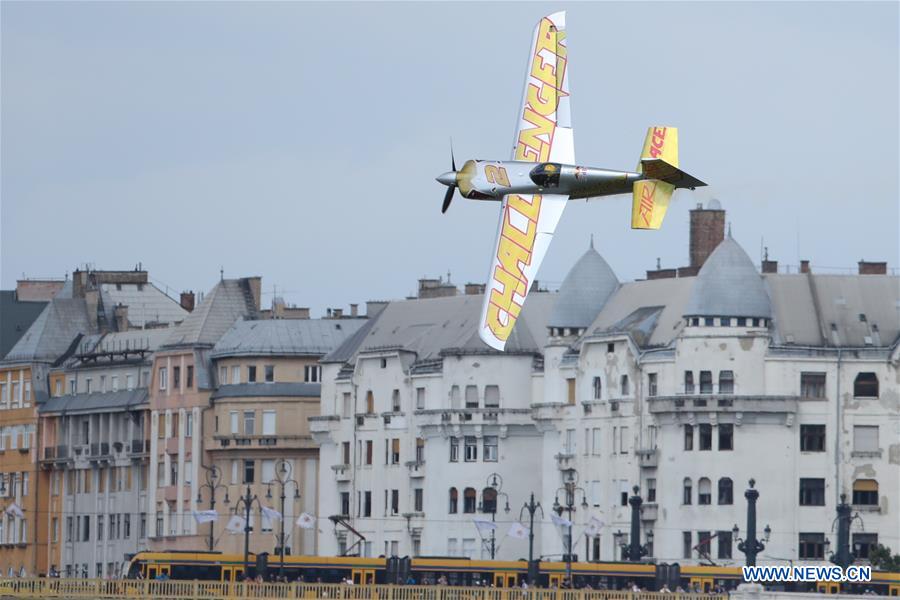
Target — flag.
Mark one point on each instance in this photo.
(235, 524)
(205, 516)
(593, 526)
(560, 521)
(271, 514)
(517, 530)
(14, 509)
(306, 521)
(484, 526)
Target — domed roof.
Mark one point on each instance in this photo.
(728, 285)
(584, 291)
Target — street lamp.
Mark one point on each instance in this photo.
(751, 546)
(635, 551)
(570, 488)
(495, 483)
(213, 474)
(844, 557)
(532, 507)
(246, 501)
(283, 477)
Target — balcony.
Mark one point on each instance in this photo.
(341, 472)
(262, 442)
(565, 460)
(416, 468)
(723, 403)
(140, 446)
(649, 511)
(464, 417)
(648, 458)
(172, 445)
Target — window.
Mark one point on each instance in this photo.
(469, 502)
(251, 373)
(312, 373)
(87, 388)
(173, 472)
(57, 390)
(569, 447)
(345, 454)
(624, 440)
(570, 387)
(454, 449)
(651, 384)
(704, 491)
(491, 396)
(724, 538)
(268, 425)
(811, 546)
(865, 492)
(189, 377)
(598, 388)
(865, 385)
(726, 436)
(812, 492)
(686, 544)
(367, 504)
(726, 491)
(454, 501)
(688, 382)
(812, 385)
(596, 447)
(176, 378)
(418, 499)
(369, 452)
(234, 421)
(269, 372)
(223, 375)
(163, 379)
(249, 471)
(345, 503)
(267, 470)
(471, 447)
(651, 490)
(395, 502)
(370, 403)
(420, 451)
(471, 396)
(249, 421)
(705, 436)
(865, 438)
(113, 383)
(623, 386)
(129, 382)
(455, 398)
(420, 398)
(395, 401)
(688, 437)
(490, 448)
(348, 405)
(395, 451)
(189, 424)
(812, 438)
(489, 500)
(863, 544)
(235, 375)
(704, 543)
(726, 382)
(688, 491)
(706, 386)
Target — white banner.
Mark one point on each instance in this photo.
(205, 516)
(517, 530)
(560, 521)
(484, 526)
(14, 509)
(271, 514)
(235, 524)
(306, 521)
(593, 527)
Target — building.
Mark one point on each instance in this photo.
(268, 385)
(687, 385)
(20, 307)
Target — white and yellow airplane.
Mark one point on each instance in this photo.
(535, 185)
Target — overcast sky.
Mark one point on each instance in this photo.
(300, 142)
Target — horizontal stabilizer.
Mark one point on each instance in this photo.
(656, 168)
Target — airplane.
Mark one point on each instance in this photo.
(542, 176)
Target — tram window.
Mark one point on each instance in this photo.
(546, 175)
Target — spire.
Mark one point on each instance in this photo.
(592, 241)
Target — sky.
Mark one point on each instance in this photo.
(300, 141)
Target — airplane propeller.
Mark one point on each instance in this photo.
(449, 179)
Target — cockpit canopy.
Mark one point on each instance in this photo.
(546, 175)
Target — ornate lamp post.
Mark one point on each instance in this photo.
(532, 507)
(751, 546)
(570, 488)
(213, 475)
(634, 551)
(283, 477)
(494, 482)
(245, 503)
(844, 557)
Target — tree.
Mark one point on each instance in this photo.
(881, 558)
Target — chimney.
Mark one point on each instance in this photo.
(872, 268)
(120, 313)
(804, 266)
(187, 301)
(337, 313)
(373, 307)
(662, 274)
(327, 313)
(37, 290)
(255, 285)
(769, 266)
(354, 310)
(707, 231)
(474, 289)
(688, 271)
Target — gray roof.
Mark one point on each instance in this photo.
(15, 318)
(277, 389)
(96, 402)
(285, 337)
(227, 302)
(728, 285)
(430, 327)
(584, 291)
(146, 303)
(53, 332)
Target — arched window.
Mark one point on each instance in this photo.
(455, 397)
(865, 492)
(704, 491)
(370, 403)
(489, 500)
(624, 385)
(598, 388)
(726, 382)
(865, 385)
(688, 491)
(454, 500)
(469, 500)
(726, 491)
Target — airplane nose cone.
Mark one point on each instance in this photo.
(448, 178)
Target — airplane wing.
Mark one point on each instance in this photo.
(527, 222)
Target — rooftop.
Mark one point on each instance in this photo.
(285, 337)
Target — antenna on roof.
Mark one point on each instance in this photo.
(658, 266)
(729, 228)
(221, 273)
(592, 241)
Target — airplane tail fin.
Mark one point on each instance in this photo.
(659, 163)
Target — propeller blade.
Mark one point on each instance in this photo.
(452, 160)
(448, 197)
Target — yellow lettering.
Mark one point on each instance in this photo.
(546, 40)
(528, 138)
(513, 259)
(542, 99)
(530, 210)
(495, 174)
